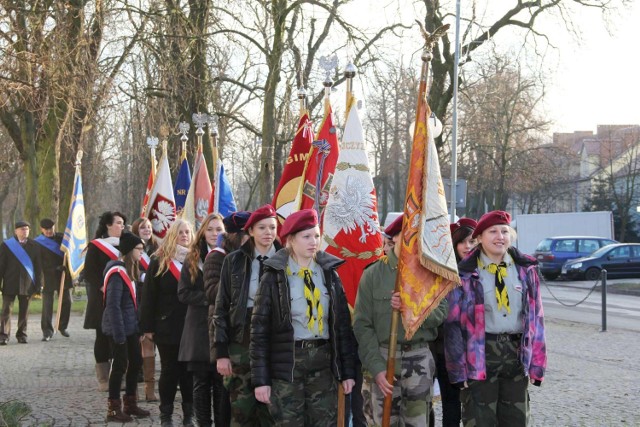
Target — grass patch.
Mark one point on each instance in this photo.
(78, 304)
(12, 411)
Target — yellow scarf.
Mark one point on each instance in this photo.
(500, 271)
(312, 295)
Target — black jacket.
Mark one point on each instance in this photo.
(160, 310)
(94, 265)
(272, 347)
(120, 318)
(14, 279)
(52, 268)
(231, 302)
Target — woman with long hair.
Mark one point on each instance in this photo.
(239, 279)
(141, 227)
(162, 320)
(102, 249)
(120, 325)
(494, 333)
(194, 344)
(302, 344)
(229, 241)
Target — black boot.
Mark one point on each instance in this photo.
(187, 414)
(221, 405)
(202, 399)
(166, 412)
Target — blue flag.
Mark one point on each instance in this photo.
(74, 242)
(183, 182)
(224, 203)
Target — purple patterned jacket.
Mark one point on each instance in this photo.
(464, 328)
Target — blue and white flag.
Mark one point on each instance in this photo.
(74, 241)
(183, 182)
(222, 200)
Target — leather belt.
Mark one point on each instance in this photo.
(310, 343)
(502, 337)
(409, 346)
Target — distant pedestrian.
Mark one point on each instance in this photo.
(494, 334)
(302, 345)
(21, 277)
(52, 268)
(102, 249)
(412, 391)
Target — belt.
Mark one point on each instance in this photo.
(502, 337)
(310, 343)
(409, 346)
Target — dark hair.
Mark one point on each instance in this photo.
(132, 266)
(107, 218)
(232, 241)
(458, 236)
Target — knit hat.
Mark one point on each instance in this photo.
(21, 224)
(46, 223)
(259, 214)
(235, 222)
(299, 221)
(490, 219)
(128, 241)
(394, 228)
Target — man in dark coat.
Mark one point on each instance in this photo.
(20, 275)
(52, 260)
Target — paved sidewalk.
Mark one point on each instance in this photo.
(592, 379)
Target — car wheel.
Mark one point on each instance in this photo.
(592, 274)
(550, 276)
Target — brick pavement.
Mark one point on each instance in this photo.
(592, 379)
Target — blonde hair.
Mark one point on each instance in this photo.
(194, 249)
(167, 249)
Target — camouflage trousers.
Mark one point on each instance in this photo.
(502, 399)
(312, 398)
(412, 391)
(245, 409)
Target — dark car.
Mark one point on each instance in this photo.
(553, 252)
(620, 260)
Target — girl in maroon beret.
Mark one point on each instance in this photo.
(302, 344)
(494, 333)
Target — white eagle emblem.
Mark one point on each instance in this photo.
(353, 207)
(162, 215)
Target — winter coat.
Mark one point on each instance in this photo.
(14, 279)
(272, 344)
(120, 318)
(465, 324)
(161, 313)
(372, 319)
(230, 312)
(194, 344)
(52, 268)
(211, 273)
(94, 265)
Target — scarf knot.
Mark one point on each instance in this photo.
(502, 296)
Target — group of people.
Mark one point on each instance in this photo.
(253, 328)
(30, 267)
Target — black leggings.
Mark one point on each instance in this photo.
(127, 357)
(173, 373)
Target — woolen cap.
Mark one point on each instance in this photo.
(394, 228)
(299, 221)
(21, 224)
(235, 222)
(128, 241)
(490, 219)
(463, 222)
(259, 214)
(46, 223)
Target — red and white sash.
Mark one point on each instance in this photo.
(175, 267)
(118, 269)
(144, 261)
(107, 248)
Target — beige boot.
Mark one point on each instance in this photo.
(149, 370)
(102, 374)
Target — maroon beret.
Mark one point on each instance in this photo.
(299, 221)
(490, 219)
(259, 214)
(463, 222)
(395, 227)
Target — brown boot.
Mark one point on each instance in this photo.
(102, 374)
(114, 412)
(149, 370)
(131, 407)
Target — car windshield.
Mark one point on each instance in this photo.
(603, 250)
(544, 246)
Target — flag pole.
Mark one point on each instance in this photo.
(212, 125)
(427, 56)
(302, 97)
(64, 262)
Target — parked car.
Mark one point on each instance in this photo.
(553, 252)
(620, 260)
